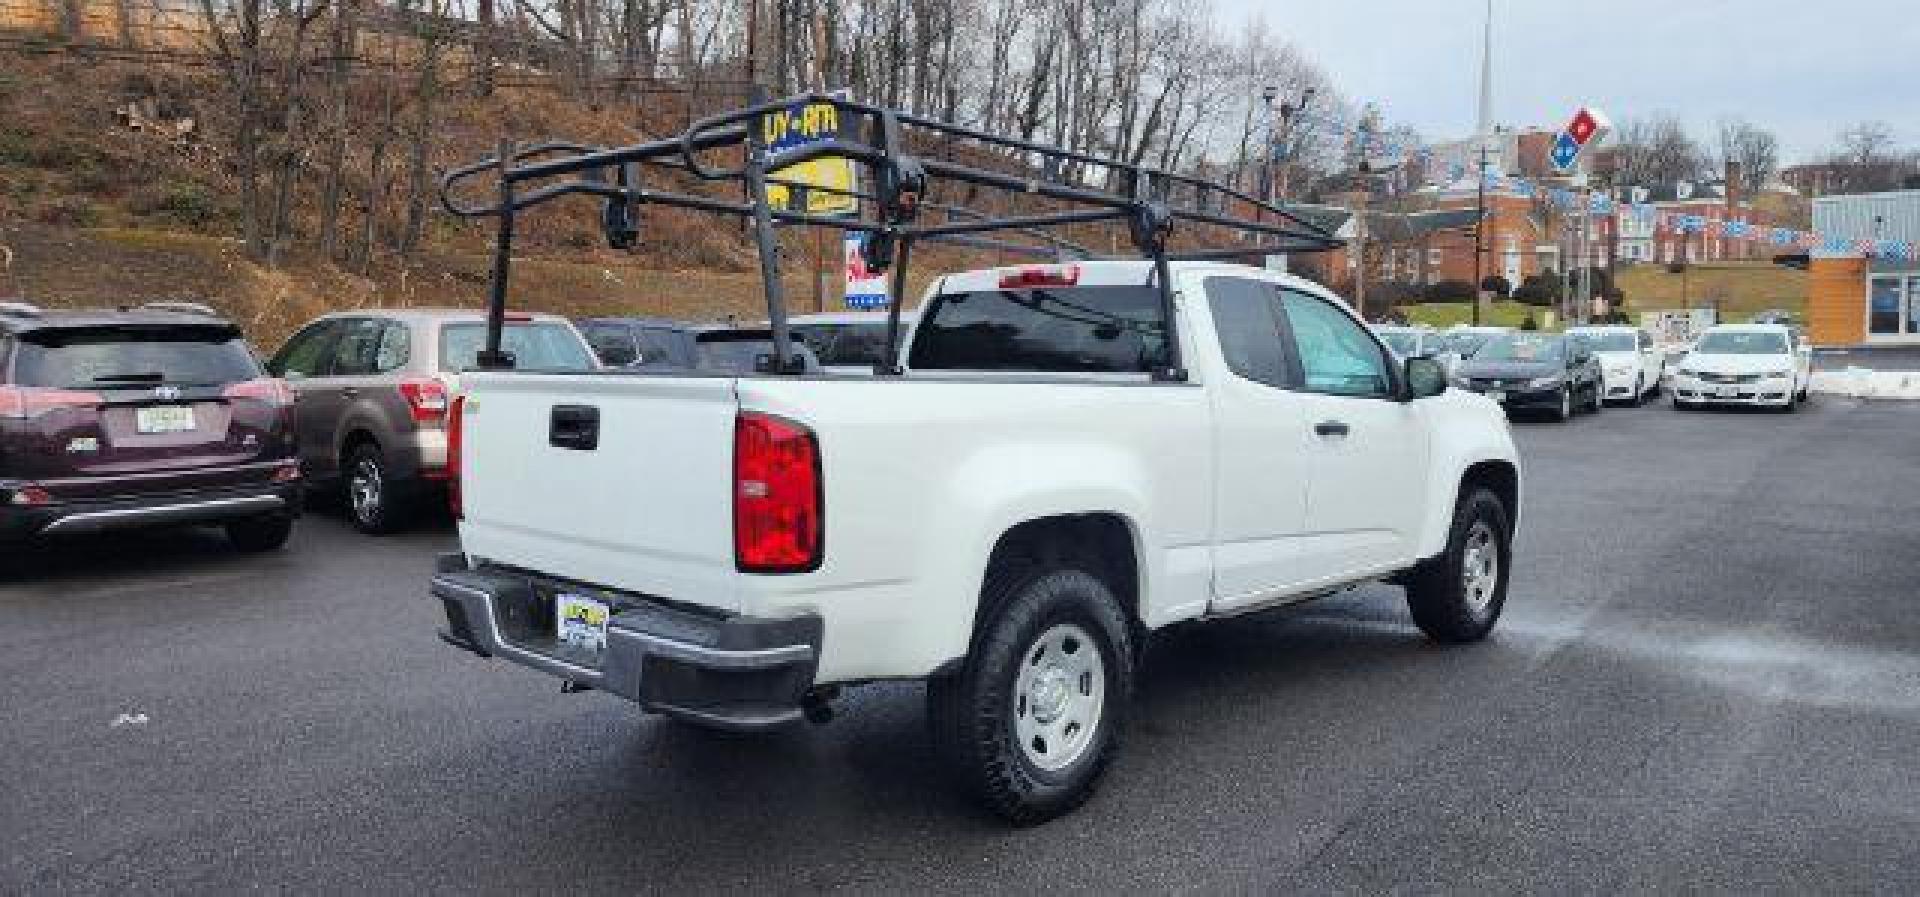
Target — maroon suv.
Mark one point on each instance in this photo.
(151, 416)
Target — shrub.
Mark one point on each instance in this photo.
(1450, 291)
(1498, 285)
(190, 204)
(1539, 290)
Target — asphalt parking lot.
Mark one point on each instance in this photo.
(1708, 678)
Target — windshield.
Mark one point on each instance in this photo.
(1404, 343)
(1609, 340)
(545, 346)
(142, 356)
(1522, 347)
(861, 343)
(1735, 342)
(1465, 344)
(1107, 329)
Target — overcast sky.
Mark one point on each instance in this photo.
(1802, 68)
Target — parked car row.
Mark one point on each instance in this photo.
(1585, 368)
(162, 414)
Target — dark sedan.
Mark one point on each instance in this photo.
(1549, 372)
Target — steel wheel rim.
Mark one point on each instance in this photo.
(1479, 566)
(1058, 697)
(364, 488)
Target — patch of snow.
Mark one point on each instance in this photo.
(1866, 383)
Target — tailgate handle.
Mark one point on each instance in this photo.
(574, 427)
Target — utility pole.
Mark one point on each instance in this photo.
(1479, 233)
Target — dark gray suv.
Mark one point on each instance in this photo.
(372, 390)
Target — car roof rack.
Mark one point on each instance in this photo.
(902, 159)
(17, 309)
(182, 307)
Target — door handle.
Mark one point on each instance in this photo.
(575, 427)
(1332, 428)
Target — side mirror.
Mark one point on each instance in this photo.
(1425, 377)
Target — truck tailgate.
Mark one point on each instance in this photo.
(648, 509)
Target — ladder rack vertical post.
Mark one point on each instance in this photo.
(766, 239)
(490, 357)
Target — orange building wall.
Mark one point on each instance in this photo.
(1837, 302)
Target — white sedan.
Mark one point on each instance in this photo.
(1744, 364)
(1629, 364)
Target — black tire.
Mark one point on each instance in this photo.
(1438, 593)
(259, 534)
(1639, 391)
(1562, 412)
(372, 495)
(976, 714)
(1598, 403)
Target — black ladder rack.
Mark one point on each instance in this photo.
(896, 194)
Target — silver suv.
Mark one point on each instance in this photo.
(371, 394)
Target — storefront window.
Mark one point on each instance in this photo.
(1883, 308)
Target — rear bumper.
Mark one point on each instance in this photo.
(736, 672)
(171, 509)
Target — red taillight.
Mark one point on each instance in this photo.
(30, 401)
(1040, 276)
(426, 398)
(29, 496)
(455, 424)
(777, 513)
(270, 390)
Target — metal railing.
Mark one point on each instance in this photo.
(1148, 201)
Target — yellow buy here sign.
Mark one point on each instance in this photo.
(795, 127)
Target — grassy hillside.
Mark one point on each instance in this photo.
(1739, 288)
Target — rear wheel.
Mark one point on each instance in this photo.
(1032, 720)
(373, 504)
(1639, 391)
(1597, 397)
(1564, 410)
(258, 534)
(1458, 596)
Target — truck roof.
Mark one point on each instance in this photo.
(1117, 272)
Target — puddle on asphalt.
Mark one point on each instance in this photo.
(1760, 663)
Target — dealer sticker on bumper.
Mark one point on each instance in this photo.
(581, 622)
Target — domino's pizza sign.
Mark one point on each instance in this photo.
(865, 289)
(1588, 127)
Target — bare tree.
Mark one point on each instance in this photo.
(1753, 150)
(1657, 151)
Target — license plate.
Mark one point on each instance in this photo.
(163, 419)
(1499, 397)
(581, 622)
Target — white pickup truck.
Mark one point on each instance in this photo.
(1007, 519)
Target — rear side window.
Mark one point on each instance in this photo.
(612, 342)
(357, 352)
(1100, 329)
(97, 356)
(1247, 317)
(536, 346)
(661, 345)
(395, 349)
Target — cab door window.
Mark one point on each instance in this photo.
(1336, 355)
(1248, 319)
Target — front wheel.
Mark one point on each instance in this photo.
(1598, 398)
(1032, 720)
(1458, 596)
(1564, 411)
